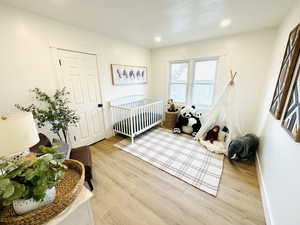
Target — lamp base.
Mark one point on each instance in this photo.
(13, 159)
(17, 156)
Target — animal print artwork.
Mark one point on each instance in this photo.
(123, 74)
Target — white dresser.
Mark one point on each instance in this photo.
(78, 213)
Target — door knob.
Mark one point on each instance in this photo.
(100, 105)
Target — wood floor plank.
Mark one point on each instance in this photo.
(130, 191)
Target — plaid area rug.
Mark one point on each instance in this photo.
(178, 155)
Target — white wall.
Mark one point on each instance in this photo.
(248, 53)
(26, 61)
(279, 155)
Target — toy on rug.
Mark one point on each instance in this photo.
(215, 139)
(188, 121)
(172, 107)
(243, 148)
(213, 134)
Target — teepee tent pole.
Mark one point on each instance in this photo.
(232, 77)
(224, 112)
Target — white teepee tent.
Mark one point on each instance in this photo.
(224, 113)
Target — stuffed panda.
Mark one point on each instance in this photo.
(188, 121)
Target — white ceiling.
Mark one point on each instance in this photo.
(176, 21)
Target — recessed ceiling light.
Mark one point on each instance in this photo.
(225, 22)
(157, 39)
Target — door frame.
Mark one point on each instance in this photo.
(58, 71)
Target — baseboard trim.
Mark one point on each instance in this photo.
(264, 194)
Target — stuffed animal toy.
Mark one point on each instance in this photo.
(172, 107)
(243, 148)
(188, 121)
(213, 134)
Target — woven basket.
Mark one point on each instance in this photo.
(170, 119)
(66, 191)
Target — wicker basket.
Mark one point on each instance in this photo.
(170, 119)
(66, 191)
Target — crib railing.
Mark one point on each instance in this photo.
(133, 118)
(146, 116)
(121, 117)
(127, 101)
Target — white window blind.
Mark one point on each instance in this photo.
(193, 81)
(179, 81)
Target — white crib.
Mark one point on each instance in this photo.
(133, 115)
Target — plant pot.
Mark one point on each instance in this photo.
(22, 206)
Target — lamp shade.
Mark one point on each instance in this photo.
(17, 133)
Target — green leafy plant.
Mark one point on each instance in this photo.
(30, 176)
(54, 110)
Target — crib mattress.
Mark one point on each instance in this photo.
(137, 122)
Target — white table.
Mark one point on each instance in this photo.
(78, 213)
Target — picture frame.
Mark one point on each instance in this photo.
(128, 75)
(291, 118)
(286, 73)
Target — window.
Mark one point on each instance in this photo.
(179, 78)
(193, 81)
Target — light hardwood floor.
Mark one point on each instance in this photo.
(129, 191)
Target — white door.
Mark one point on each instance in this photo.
(79, 73)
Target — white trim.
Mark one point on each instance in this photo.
(194, 61)
(60, 82)
(190, 78)
(76, 49)
(200, 58)
(264, 194)
(183, 83)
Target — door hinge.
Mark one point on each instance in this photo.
(59, 61)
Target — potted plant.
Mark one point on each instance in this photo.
(28, 182)
(54, 110)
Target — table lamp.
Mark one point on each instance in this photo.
(17, 134)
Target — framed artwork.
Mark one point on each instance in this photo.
(126, 75)
(291, 117)
(286, 73)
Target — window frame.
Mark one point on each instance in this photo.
(191, 78)
(184, 83)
